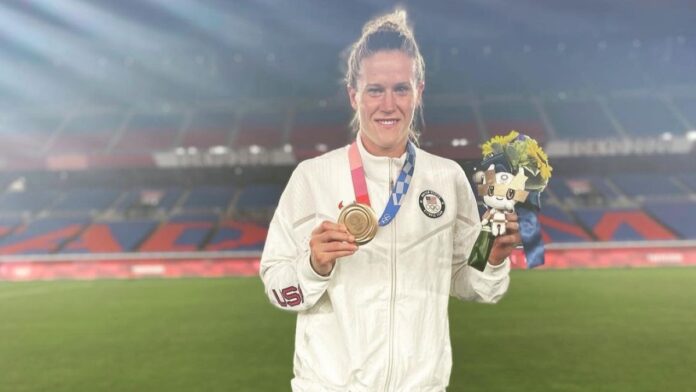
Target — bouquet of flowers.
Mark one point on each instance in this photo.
(517, 171)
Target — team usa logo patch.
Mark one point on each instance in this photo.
(431, 204)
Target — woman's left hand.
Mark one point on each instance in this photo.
(504, 244)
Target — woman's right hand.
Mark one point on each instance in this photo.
(329, 241)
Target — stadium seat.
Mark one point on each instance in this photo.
(26, 202)
(232, 235)
(689, 180)
(558, 226)
(7, 225)
(585, 189)
(111, 237)
(41, 236)
(182, 233)
(650, 185)
(153, 198)
(254, 197)
(678, 216)
(209, 198)
(622, 225)
(87, 200)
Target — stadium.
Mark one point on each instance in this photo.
(145, 145)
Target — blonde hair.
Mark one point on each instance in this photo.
(386, 32)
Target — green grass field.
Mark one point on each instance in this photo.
(573, 330)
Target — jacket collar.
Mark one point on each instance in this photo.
(376, 167)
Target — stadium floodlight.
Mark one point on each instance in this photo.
(321, 147)
(691, 135)
(254, 149)
(460, 142)
(192, 150)
(218, 150)
(667, 136)
(180, 151)
(287, 148)
(18, 185)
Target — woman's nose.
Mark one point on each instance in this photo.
(387, 102)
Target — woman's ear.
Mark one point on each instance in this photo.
(352, 95)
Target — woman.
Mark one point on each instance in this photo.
(372, 294)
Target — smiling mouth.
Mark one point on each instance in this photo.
(387, 122)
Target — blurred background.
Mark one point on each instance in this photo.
(153, 138)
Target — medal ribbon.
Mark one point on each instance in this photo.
(357, 173)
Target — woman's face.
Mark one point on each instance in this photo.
(386, 97)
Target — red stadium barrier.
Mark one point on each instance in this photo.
(613, 255)
(223, 264)
(128, 269)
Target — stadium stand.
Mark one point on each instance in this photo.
(26, 202)
(622, 224)
(559, 226)
(689, 180)
(207, 198)
(41, 236)
(264, 129)
(209, 128)
(111, 237)
(451, 132)
(87, 133)
(687, 108)
(144, 201)
(233, 235)
(501, 117)
(586, 190)
(233, 103)
(148, 132)
(579, 120)
(678, 216)
(26, 135)
(7, 225)
(180, 233)
(645, 116)
(647, 185)
(86, 200)
(257, 197)
(318, 130)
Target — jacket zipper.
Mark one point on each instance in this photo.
(392, 286)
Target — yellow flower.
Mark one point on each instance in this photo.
(545, 172)
(539, 156)
(500, 141)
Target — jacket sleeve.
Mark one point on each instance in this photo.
(289, 280)
(468, 283)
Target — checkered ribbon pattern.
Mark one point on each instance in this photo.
(401, 185)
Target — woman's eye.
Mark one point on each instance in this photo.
(374, 91)
(402, 90)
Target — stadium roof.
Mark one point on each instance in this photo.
(135, 50)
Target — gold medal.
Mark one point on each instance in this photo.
(361, 222)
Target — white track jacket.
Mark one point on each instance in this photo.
(379, 322)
